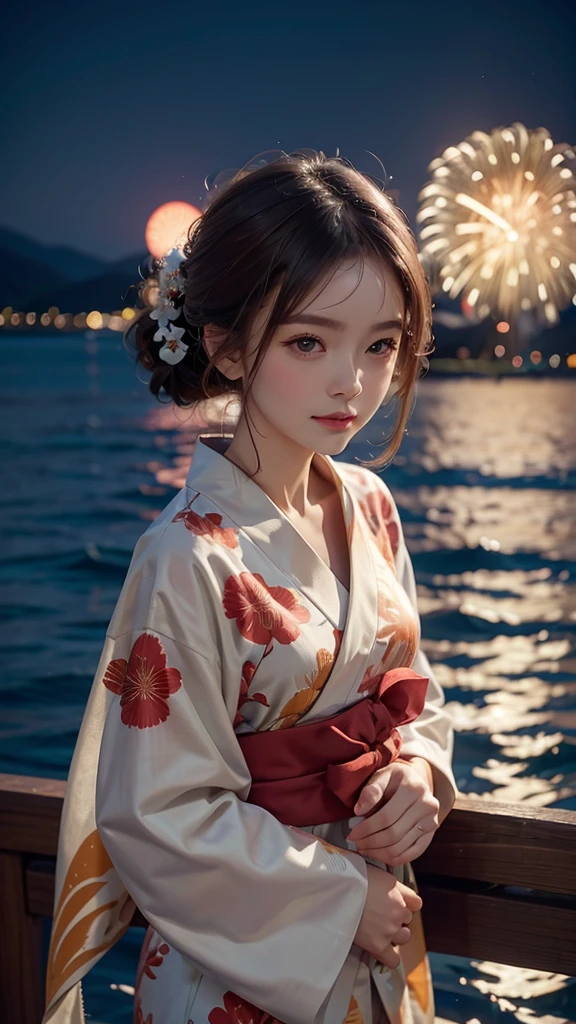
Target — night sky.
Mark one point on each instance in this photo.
(112, 108)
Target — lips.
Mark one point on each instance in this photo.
(337, 416)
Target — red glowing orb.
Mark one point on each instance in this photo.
(168, 227)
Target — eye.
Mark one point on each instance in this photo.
(390, 343)
(304, 345)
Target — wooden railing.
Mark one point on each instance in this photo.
(498, 883)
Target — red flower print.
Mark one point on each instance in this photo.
(144, 683)
(150, 956)
(208, 526)
(248, 670)
(140, 1017)
(371, 679)
(239, 1011)
(263, 613)
(155, 958)
(381, 516)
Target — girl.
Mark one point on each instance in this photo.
(264, 749)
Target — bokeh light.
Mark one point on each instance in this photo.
(167, 227)
(536, 357)
(571, 361)
(502, 327)
(554, 361)
(517, 361)
(94, 320)
(499, 351)
(128, 313)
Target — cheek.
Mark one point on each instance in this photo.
(280, 379)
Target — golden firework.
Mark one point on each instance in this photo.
(498, 223)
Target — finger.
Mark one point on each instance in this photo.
(411, 898)
(372, 794)
(384, 840)
(416, 814)
(389, 814)
(390, 958)
(402, 936)
(411, 854)
(404, 797)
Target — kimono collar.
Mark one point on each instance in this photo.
(269, 529)
(212, 473)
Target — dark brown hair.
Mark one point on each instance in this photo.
(289, 222)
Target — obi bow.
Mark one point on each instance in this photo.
(312, 774)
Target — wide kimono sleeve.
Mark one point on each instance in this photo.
(431, 735)
(260, 907)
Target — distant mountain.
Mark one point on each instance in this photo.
(21, 276)
(69, 263)
(34, 277)
(112, 289)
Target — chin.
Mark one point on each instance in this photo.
(333, 446)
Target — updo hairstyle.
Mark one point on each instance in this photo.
(291, 221)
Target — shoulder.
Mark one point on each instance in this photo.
(376, 502)
(191, 528)
(178, 568)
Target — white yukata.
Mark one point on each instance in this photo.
(229, 622)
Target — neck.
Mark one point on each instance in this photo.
(286, 473)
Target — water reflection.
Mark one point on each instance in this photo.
(501, 428)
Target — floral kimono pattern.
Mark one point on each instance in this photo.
(229, 622)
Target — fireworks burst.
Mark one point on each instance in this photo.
(499, 223)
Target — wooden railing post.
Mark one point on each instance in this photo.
(21, 996)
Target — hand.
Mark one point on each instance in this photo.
(402, 828)
(387, 913)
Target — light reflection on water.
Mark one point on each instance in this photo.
(486, 484)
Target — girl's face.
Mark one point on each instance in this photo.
(335, 356)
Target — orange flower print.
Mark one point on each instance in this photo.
(239, 1011)
(248, 670)
(208, 526)
(397, 623)
(354, 1015)
(303, 700)
(263, 613)
(381, 516)
(144, 683)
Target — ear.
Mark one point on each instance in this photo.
(213, 337)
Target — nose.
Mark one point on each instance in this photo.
(346, 381)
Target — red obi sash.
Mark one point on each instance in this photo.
(313, 774)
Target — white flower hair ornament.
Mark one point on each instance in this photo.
(170, 284)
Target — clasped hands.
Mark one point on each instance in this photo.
(403, 827)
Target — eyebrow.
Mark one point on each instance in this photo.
(326, 321)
